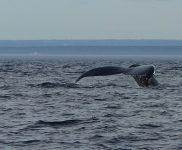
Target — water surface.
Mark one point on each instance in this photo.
(42, 108)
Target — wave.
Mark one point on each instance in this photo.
(5, 96)
(31, 141)
(41, 123)
(23, 143)
(101, 85)
(68, 85)
(73, 85)
(149, 126)
(5, 87)
(53, 85)
(175, 68)
(122, 138)
(58, 124)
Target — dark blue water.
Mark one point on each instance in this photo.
(92, 50)
(41, 107)
(91, 47)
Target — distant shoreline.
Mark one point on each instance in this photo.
(27, 43)
(91, 47)
(91, 56)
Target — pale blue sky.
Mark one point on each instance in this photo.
(90, 19)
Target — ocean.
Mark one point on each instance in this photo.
(42, 108)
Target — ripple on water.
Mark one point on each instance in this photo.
(42, 108)
(149, 126)
(54, 85)
(59, 124)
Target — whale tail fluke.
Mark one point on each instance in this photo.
(102, 71)
(143, 74)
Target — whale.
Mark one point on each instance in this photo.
(142, 74)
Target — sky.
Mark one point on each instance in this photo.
(90, 19)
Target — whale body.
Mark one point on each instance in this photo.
(142, 74)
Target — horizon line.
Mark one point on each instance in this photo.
(90, 39)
